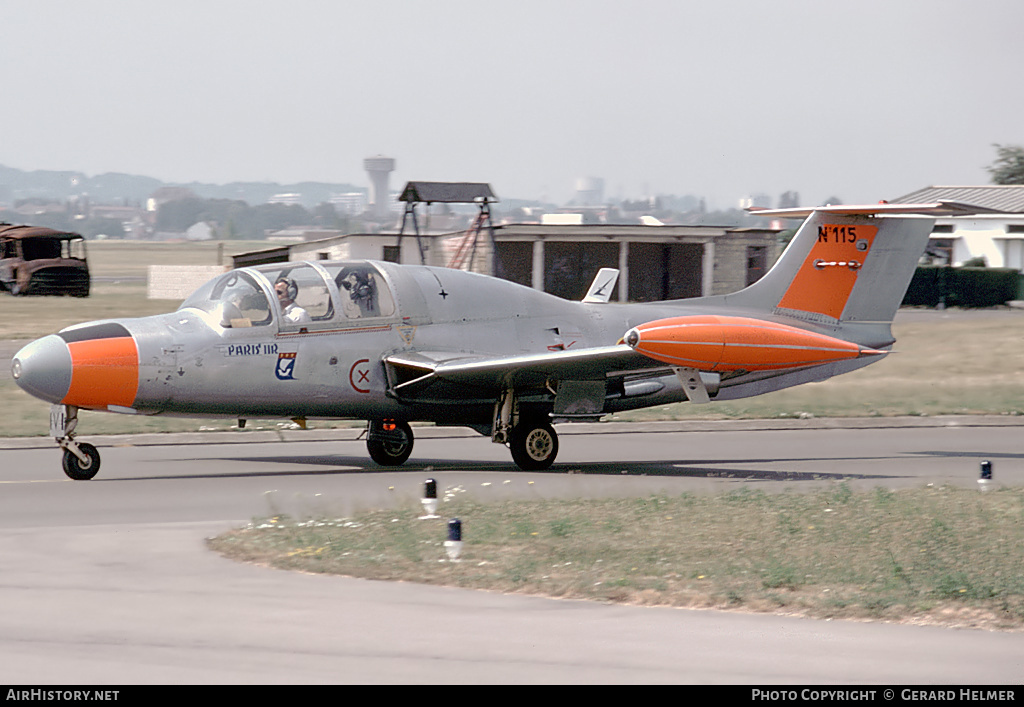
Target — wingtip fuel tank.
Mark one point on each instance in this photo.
(727, 343)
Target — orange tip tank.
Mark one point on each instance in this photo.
(720, 343)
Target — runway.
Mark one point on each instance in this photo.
(109, 582)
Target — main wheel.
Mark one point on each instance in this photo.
(389, 442)
(534, 445)
(78, 470)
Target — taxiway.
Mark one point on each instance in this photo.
(109, 581)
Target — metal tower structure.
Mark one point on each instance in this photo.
(450, 193)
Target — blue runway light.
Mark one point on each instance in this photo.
(455, 530)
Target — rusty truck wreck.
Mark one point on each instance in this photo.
(42, 261)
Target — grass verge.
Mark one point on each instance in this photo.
(944, 556)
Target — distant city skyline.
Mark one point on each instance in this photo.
(859, 100)
(588, 191)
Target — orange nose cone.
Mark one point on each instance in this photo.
(720, 343)
(104, 372)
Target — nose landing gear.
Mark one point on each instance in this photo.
(81, 461)
(81, 469)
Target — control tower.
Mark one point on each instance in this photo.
(379, 168)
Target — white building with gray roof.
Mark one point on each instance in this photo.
(997, 236)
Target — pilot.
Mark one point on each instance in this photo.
(287, 291)
(362, 294)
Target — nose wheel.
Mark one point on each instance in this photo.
(79, 469)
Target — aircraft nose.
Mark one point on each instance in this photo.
(43, 368)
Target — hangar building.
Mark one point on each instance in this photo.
(655, 262)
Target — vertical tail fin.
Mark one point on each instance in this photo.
(602, 286)
(845, 264)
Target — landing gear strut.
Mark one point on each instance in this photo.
(389, 442)
(81, 461)
(532, 440)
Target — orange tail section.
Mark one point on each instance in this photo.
(844, 265)
(830, 270)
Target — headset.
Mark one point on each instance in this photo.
(293, 289)
(361, 288)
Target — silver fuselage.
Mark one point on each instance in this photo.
(189, 365)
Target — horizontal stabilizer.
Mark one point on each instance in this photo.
(938, 208)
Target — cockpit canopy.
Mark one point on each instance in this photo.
(297, 295)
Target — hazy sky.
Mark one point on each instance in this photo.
(862, 100)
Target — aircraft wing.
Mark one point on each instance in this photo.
(426, 374)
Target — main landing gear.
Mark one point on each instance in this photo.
(531, 438)
(532, 441)
(534, 445)
(81, 460)
(389, 442)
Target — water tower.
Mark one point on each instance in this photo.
(589, 191)
(379, 168)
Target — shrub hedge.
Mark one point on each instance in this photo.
(961, 287)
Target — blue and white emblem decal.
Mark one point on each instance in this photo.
(285, 366)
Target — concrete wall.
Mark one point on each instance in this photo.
(177, 282)
(357, 247)
(730, 261)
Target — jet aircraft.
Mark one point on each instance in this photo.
(393, 344)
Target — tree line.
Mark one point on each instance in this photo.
(234, 219)
(1008, 167)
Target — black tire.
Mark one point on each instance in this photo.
(76, 469)
(389, 447)
(534, 445)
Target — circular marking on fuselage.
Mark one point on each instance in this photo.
(359, 375)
